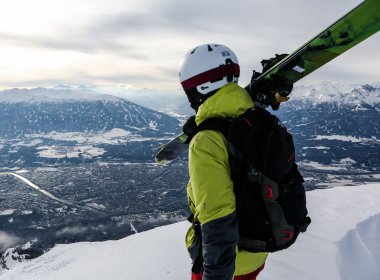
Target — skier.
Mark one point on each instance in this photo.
(209, 76)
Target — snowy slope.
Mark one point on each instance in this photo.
(343, 242)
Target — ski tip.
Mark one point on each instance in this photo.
(160, 161)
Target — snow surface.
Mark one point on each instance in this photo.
(85, 142)
(343, 242)
(317, 165)
(347, 138)
(7, 212)
(111, 137)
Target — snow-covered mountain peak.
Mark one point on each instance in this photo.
(369, 94)
(327, 92)
(49, 95)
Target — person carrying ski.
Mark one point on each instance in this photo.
(209, 76)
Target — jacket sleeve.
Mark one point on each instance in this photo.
(214, 201)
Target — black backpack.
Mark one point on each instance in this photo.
(270, 197)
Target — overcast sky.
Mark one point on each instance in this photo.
(140, 43)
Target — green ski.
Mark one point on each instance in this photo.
(172, 149)
(354, 27)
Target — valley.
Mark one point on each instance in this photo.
(80, 167)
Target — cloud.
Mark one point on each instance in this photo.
(78, 230)
(7, 240)
(194, 19)
(71, 231)
(141, 43)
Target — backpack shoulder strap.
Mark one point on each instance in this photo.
(217, 124)
(190, 128)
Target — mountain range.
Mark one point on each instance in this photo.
(41, 110)
(43, 124)
(89, 158)
(330, 123)
(334, 124)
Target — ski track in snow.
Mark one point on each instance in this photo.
(48, 194)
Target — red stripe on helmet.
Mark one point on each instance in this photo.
(215, 74)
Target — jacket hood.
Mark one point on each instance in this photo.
(230, 101)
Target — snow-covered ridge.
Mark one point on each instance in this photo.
(337, 93)
(342, 242)
(315, 94)
(50, 95)
(30, 111)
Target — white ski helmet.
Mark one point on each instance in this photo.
(207, 68)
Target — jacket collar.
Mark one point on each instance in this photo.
(230, 101)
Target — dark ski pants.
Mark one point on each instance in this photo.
(249, 276)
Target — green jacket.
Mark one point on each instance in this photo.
(210, 191)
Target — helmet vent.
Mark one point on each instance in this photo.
(194, 50)
(209, 48)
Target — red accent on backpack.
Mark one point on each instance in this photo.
(196, 276)
(289, 234)
(270, 191)
(292, 158)
(248, 122)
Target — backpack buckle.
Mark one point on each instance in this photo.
(253, 176)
